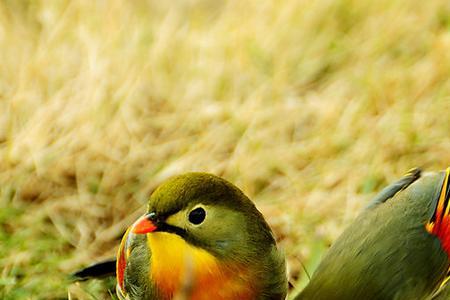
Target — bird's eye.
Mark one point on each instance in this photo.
(197, 216)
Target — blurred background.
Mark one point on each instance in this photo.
(310, 107)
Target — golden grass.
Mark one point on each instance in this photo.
(308, 106)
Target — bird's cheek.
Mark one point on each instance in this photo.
(222, 245)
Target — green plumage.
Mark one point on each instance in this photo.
(386, 253)
(234, 231)
(186, 191)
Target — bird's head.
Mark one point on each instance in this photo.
(202, 227)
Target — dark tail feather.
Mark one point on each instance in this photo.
(97, 270)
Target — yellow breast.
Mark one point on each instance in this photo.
(181, 269)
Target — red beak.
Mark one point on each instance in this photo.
(143, 225)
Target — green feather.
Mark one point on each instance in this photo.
(386, 253)
(236, 232)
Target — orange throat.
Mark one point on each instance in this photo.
(180, 269)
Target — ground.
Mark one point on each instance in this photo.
(310, 107)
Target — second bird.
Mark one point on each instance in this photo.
(398, 248)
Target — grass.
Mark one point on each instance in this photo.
(310, 107)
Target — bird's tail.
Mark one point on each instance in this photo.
(439, 224)
(97, 270)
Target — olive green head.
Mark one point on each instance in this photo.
(209, 219)
(209, 212)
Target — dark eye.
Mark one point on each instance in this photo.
(197, 216)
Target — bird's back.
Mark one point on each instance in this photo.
(387, 252)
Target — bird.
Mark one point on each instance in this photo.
(397, 248)
(200, 238)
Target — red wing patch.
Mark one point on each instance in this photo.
(439, 225)
(122, 261)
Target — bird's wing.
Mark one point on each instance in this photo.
(439, 225)
(440, 218)
(392, 189)
(97, 270)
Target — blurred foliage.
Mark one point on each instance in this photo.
(309, 106)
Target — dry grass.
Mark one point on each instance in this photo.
(308, 106)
